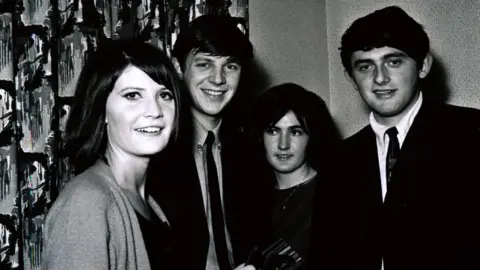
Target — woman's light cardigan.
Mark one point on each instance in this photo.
(92, 225)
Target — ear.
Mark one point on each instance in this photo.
(427, 65)
(176, 64)
(350, 79)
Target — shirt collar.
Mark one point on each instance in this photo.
(403, 125)
(200, 133)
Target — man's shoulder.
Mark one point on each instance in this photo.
(231, 129)
(233, 136)
(357, 144)
(359, 138)
(462, 116)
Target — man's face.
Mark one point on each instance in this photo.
(386, 78)
(211, 80)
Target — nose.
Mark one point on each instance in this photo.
(284, 141)
(153, 109)
(217, 76)
(382, 75)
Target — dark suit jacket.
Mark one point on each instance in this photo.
(179, 193)
(429, 217)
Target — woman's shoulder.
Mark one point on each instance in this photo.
(92, 187)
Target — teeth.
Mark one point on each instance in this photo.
(149, 129)
(213, 93)
(283, 156)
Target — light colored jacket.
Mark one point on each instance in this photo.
(92, 225)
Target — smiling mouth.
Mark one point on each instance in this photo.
(149, 130)
(283, 156)
(384, 93)
(213, 92)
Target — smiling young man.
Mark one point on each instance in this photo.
(209, 197)
(407, 188)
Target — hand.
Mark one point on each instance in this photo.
(243, 267)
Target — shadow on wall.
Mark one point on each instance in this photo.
(254, 80)
(435, 85)
(260, 78)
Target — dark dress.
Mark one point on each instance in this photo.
(291, 215)
(157, 236)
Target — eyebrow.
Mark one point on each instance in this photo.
(386, 56)
(202, 58)
(210, 58)
(296, 126)
(290, 127)
(126, 88)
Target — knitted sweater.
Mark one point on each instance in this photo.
(92, 225)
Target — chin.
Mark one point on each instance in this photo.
(214, 111)
(388, 113)
(151, 150)
(283, 169)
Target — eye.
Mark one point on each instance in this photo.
(233, 66)
(166, 95)
(271, 131)
(297, 132)
(395, 62)
(364, 67)
(203, 64)
(132, 95)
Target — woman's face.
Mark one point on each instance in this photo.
(139, 114)
(286, 144)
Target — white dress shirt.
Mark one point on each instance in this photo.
(199, 137)
(383, 140)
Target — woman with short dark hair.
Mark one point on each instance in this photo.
(297, 136)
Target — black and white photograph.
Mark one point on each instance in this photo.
(239, 134)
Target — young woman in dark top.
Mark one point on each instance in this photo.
(126, 112)
(297, 135)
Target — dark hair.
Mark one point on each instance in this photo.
(391, 27)
(311, 112)
(86, 134)
(216, 35)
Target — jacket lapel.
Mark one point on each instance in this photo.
(412, 160)
(369, 166)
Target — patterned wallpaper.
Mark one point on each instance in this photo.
(43, 45)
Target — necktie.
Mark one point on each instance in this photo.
(218, 223)
(393, 151)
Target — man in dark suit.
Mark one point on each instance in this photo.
(214, 221)
(407, 193)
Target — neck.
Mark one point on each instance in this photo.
(299, 176)
(129, 171)
(210, 122)
(390, 121)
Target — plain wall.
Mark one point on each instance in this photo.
(454, 31)
(290, 43)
